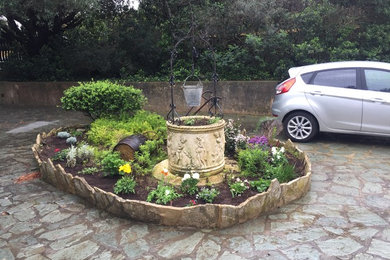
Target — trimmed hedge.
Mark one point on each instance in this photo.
(103, 98)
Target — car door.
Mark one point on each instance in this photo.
(335, 97)
(376, 101)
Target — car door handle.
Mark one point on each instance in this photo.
(316, 92)
(377, 100)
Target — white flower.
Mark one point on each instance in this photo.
(246, 181)
(242, 184)
(282, 150)
(238, 179)
(186, 176)
(274, 150)
(167, 192)
(195, 175)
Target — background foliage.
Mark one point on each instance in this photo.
(252, 40)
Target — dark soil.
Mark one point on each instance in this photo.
(146, 183)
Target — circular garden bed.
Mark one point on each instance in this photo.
(187, 210)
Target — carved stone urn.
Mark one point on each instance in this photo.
(196, 148)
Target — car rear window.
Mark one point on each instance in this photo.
(377, 80)
(342, 78)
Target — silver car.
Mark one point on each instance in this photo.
(341, 97)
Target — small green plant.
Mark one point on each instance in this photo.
(88, 171)
(111, 163)
(189, 182)
(60, 155)
(77, 133)
(214, 120)
(162, 194)
(252, 161)
(189, 121)
(63, 135)
(238, 186)
(260, 185)
(103, 98)
(71, 157)
(274, 132)
(125, 185)
(207, 194)
(283, 172)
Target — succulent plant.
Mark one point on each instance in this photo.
(71, 157)
(71, 140)
(63, 134)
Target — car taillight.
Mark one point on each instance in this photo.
(285, 86)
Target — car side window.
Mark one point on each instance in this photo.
(377, 80)
(341, 78)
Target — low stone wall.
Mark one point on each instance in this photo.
(238, 97)
(199, 216)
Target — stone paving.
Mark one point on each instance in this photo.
(346, 214)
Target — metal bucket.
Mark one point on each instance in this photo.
(193, 93)
(129, 145)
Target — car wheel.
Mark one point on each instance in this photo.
(300, 127)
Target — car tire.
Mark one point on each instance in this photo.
(300, 127)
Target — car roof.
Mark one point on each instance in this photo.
(293, 72)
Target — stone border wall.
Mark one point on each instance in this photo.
(200, 216)
(238, 97)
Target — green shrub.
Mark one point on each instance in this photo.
(111, 163)
(149, 154)
(252, 161)
(108, 132)
(103, 98)
(125, 185)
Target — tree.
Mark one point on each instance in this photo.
(31, 23)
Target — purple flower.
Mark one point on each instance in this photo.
(258, 140)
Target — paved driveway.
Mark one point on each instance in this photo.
(346, 214)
